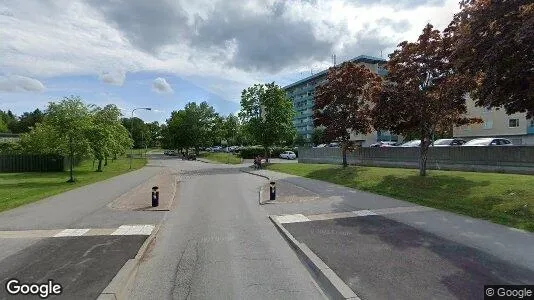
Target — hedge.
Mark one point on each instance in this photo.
(251, 152)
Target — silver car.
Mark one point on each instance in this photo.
(482, 142)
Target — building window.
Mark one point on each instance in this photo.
(488, 124)
(513, 123)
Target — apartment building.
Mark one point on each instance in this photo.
(302, 92)
(496, 123)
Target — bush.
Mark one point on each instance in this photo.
(251, 152)
(10, 148)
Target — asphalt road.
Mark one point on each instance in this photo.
(381, 258)
(83, 266)
(215, 242)
(219, 244)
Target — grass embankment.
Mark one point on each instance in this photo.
(507, 199)
(17, 189)
(221, 157)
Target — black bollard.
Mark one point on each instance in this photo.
(272, 189)
(155, 196)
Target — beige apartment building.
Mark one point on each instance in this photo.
(496, 123)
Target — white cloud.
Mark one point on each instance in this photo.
(114, 77)
(160, 85)
(15, 83)
(73, 37)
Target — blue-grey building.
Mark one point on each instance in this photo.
(302, 91)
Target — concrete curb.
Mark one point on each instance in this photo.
(122, 281)
(330, 283)
(252, 173)
(260, 190)
(120, 284)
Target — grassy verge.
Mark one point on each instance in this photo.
(17, 189)
(502, 198)
(221, 157)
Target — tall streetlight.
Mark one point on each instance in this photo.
(131, 129)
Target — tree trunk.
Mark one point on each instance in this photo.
(423, 158)
(344, 153)
(266, 154)
(114, 156)
(105, 160)
(99, 169)
(71, 179)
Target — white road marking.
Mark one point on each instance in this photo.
(357, 213)
(72, 232)
(364, 212)
(134, 230)
(292, 218)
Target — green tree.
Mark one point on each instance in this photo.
(69, 120)
(106, 134)
(42, 139)
(8, 119)
(192, 127)
(3, 126)
(137, 130)
(267, 114)
(230, 129)
(300, 140)
(318, 136)
(26, 121)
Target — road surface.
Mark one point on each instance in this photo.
(215, 242)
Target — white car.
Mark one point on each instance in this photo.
(488, 142)
(288, 155)
(412, 143)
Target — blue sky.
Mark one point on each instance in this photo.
(163, 54)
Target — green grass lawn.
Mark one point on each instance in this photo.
(17, 189)
(502, 198)
(221, 157)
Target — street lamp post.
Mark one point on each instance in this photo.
(131, 129)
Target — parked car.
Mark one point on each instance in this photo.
(481, 142)
(288, 155)
(412, 143)
(384, 144)
(333, 145)
(448, 142)
(321, 146)
(166, 152)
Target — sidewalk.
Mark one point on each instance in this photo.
(372, 241)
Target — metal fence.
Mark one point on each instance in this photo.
(31, 163)
(510, 159)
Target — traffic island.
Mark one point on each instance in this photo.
(140, 197)
(286, 193)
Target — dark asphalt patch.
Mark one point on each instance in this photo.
(83, 266)
(380, 258)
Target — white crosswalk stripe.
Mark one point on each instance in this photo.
(292, 218)
(72, 232)
(134, 230)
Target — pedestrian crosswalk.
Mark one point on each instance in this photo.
(296, 218)
(135, 229)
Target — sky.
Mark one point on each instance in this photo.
(163, 54)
